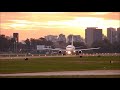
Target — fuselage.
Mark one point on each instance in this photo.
(70, 49)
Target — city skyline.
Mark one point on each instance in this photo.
(40, 24)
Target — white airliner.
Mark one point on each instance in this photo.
(70, 49)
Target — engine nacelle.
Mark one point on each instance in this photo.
(80, 51)
(60, 52)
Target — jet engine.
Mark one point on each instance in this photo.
(59, 52)
(80, 51)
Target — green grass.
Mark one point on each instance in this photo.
(59, 64)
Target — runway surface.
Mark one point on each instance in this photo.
(46, 56)
(19, 57)
(90, 72)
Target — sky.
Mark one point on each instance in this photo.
(40, 24)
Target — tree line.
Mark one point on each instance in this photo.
(10, 45)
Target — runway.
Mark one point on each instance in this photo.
(33, 57)
(61, 73)
(45, 56)
(19, 57)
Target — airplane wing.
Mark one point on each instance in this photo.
(58, 49)
(78, 47)
(88, 49)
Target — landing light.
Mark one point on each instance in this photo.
(69, 52)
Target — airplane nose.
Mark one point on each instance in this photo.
(69, 52)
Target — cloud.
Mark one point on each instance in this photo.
(37, 20)
(99, 13)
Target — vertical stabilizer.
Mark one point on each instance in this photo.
(72, 40)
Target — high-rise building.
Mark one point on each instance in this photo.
(118, 34)
(111, 34)
(97, 35)
(92, 34)
(16, 37)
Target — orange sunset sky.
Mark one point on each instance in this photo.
(40, 24)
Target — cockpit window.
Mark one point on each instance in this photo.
(68, 47)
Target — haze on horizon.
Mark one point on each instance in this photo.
(40, 24)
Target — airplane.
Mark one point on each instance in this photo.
(71, 49)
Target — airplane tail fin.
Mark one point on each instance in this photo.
(72, 40)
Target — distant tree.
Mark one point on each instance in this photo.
(4, 44)
(27, 42)
(116, 47)
(80, 44)
(105, 45)
(42, 39)
(61, 44)
(33, 43)
(49, 43)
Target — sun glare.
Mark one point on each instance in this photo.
(18, 25)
